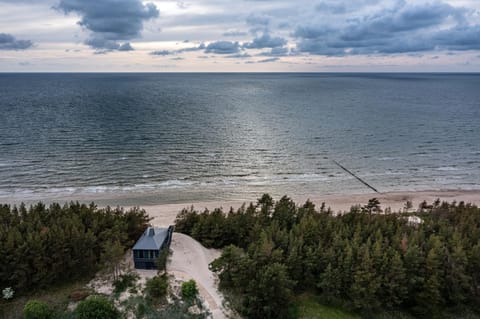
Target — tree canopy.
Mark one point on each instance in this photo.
(41, 245)
(362, 259)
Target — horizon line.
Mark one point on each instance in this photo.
(240, 72)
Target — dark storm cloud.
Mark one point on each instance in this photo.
(9, 42)
(111, 21)
(265, 41)
(223, 47)
(401, 29)
(459, 38)
(392, 21)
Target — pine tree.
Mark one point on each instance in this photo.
(269, 293)
(430, 299)
(112, 256)
(365, 284)
(457, 280)
(330, 283)
(394, 287)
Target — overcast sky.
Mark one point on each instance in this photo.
(240, 35)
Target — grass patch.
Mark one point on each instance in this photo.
(57, 297)
(309, 308)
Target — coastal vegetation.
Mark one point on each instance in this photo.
(96, 307)
(365, 261)
(50, 252)
(42, 246)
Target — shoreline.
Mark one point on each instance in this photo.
(164, 214)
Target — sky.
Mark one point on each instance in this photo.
(240, 36)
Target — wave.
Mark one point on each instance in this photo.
(220, 181)
(447, 168)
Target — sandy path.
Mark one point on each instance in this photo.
(164, 214)
(190, 260)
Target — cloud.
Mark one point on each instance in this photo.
(406, 18)
(459, 38)
(239, 56)
(234, 33)
(182, 5)
(162, 52)
(201, 46)
(335, 8)
(9, 42)
(223, 47)
(111, 21)
(268, 60)
(277, 52)
(265, 41)
(402, 28)
(108, 45)
(258, 20)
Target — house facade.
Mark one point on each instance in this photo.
(149, 246)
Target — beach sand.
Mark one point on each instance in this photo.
(164, 214)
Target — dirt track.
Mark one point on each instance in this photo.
(189, 260)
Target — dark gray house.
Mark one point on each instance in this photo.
(148, 247)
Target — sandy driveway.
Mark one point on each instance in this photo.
(189, 260)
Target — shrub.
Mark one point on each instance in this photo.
(8, 293)
(156, 287)
(37, 310)
(189, 289)
(96, 307)
(125, 281)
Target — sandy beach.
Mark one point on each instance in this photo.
(165, 214)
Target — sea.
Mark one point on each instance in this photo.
(138, 139)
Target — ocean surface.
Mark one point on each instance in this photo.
(165, 138)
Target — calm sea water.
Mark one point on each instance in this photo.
(157, 138)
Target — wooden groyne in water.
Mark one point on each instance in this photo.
(351, 173)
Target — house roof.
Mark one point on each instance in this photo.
(152, 239)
